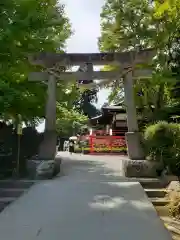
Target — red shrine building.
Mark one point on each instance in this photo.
(107, 131)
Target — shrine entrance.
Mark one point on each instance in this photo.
(107, 131)
(55, 66)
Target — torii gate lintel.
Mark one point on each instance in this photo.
(76, 59)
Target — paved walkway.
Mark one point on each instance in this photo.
(91, 201)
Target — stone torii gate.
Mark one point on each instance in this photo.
(126, 62)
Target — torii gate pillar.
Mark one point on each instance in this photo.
(47, 149)
(135, 151)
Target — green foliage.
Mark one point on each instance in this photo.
(133, 24)
(27, 27)
(85, 100)
(152, 96)
(69, 122)
(124, 24)
(162, 143)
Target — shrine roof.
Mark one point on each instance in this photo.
(114, 109)
(101, 119)
(97, 117)
(107, 114)
(118, 108)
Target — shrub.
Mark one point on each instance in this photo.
(174, 204)
(162, 143)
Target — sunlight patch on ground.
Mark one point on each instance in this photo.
(105, 202)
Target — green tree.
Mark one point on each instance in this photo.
(125, 25)
(85, 102)
(167, 13)
(69, 122)
(28, 27)
(138, 24)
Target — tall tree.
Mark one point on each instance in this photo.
(87, 96)
(139, 24)
(69, 122)
(85, 103)
(27, 27)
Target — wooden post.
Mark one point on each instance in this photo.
(47, 149)
(135, 151)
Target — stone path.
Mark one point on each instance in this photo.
(91, 200)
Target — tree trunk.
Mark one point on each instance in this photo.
(160, 97)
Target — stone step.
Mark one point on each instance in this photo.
(150, 183)
(175, 232)
(156, 193)
(11, 192)
(20, 184)
(3, 205)
(5, 201)
(171, 222)
(159, 201)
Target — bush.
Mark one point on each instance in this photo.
(174, 205)
(162, 143)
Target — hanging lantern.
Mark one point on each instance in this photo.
(110, 132)
(90, 132)
(107, 129)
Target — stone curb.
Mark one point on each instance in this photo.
(44, 169)
(140, 168)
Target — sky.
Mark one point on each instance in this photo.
(84, 16)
